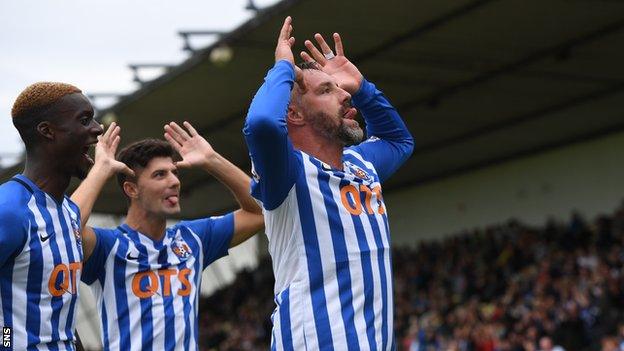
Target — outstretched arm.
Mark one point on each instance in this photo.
(389, 143)
(272, 154)
(87, 193)
(197, 152)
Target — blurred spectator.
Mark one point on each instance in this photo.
(609, 343)
(508, 287)
(546, 344)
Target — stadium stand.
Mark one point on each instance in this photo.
(481, 82)
(508, 287)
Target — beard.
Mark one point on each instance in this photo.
(350, 135)
(325, 125)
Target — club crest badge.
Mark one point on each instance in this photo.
(358, 172)
(181, 249)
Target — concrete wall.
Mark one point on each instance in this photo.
(587, 176)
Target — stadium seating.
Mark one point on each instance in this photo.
(506, 287)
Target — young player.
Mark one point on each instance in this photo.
(146, 276)
(40, 251)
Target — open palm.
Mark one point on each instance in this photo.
(347, 75)
(105, 151)
(193, 148)
(283, 49)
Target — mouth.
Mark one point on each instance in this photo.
(85, 153)
(172, 200)
(350, 113)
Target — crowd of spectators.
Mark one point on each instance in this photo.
(513, 287)
(237, 317)
(509, 287)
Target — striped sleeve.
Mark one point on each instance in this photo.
(215, 234)
(93, 267)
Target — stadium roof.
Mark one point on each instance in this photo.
(477, 82)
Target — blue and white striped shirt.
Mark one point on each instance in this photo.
(40, 266)
(147, 291)
(327, 228)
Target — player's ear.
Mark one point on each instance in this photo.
(295, 116)
(46, 130)
(131, 189)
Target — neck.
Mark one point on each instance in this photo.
(318, 146)
(48, 179)
(146, 223)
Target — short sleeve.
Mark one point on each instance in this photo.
(93, 268)
(13, 234)
(215, 234)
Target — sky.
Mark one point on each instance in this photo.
(90, 44)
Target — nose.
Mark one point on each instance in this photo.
(174, 181)
(96, 128)
(346, 96)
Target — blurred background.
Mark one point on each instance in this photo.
(507, 221)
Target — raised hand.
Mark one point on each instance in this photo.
(336, 65)
(194, 149)
(285, 42)
(105, 151)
